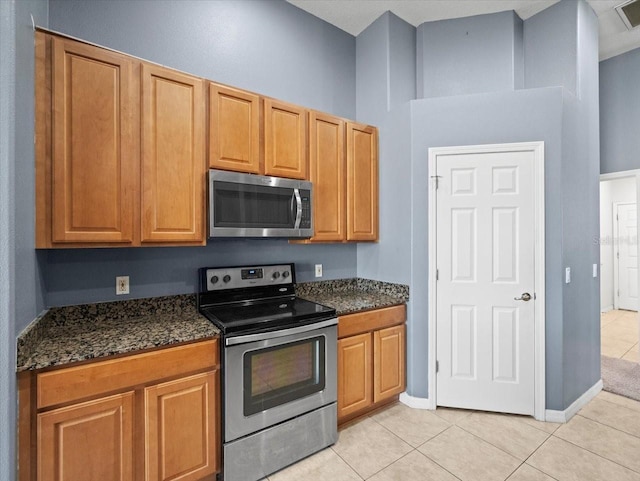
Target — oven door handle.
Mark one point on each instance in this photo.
(263, 336)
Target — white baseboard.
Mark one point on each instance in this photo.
(606, 309)
(564, 416)
(416, 402)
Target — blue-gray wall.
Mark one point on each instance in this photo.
(561, 48)
(620, 113)
(487, 119)
(470, 55)
(386, 81)
(7, 251)
(494, 79)
(270, 47)
(21, 295)
(76, 276)
(267, 46)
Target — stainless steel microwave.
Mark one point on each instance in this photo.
(248, 205)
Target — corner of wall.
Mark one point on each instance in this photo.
(7, 250)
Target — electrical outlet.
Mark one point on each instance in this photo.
(595, 270)
(122, 285)
(567, 275)
(318, 270)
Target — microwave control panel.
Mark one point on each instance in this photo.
(305, 221)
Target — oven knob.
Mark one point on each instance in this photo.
(285, 274)
(276, 275)
(214, 279)
(226, 278)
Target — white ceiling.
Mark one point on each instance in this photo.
(353, 16)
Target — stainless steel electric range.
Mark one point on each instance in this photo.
(279, 362)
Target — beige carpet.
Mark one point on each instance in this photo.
(621, 377)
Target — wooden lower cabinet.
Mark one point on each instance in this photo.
(181, 412)
(354, 374)
(92, 441)
(152, 416)
(389, 361)
(371, 360)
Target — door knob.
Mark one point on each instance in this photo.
(524, 297)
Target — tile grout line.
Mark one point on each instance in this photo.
(534, 452)
(628, 351)
(613, 427)
(598, 455)
(499, 448)
(398, 436)
(346, 462)
(433, 460)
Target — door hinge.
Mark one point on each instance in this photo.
(437, 366)
(437, 274)
(437, 178)
(618, 255)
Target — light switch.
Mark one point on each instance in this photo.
(567, 275)
(595, 270)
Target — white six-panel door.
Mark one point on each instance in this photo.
(485, 259)
(627, 256)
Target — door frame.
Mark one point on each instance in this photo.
(539, 268)
(616, 259)
(635, 173)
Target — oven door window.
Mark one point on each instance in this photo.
(253, 206)
(281, 374)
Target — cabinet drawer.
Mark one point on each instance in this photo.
(87, 380)
(367, 321)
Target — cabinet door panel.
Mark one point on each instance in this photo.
(285, 142)
(234, 130)
(362, 182)
(354, 374)
(94, 163)
(181, 430)
(91, 441)
(173, 162)
(389, 361)
(328, 172)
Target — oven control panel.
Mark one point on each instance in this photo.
(241, 277)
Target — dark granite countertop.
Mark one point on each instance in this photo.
(76, 333)
(347, 296)
(65, 335)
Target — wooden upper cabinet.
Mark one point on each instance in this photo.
(93, 163)
(362, 182)
(92, 441)
(389, 360)
(181, 442)
(285, 140)
(173, 157)
(328, 174)
(234, 129)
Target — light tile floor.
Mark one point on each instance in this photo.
(600, 443)
(620, 335)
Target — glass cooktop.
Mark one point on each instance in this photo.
(266, 315)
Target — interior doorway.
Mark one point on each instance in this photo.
(619, 273)
(486, 278)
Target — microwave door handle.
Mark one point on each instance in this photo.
(296, 193)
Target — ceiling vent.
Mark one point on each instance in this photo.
(630, 13)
